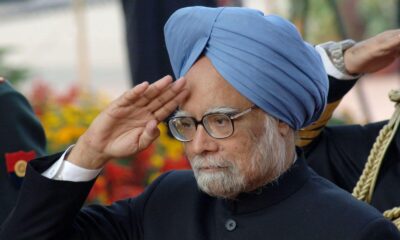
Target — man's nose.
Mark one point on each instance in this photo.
(202, 142)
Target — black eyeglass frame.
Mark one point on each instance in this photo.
(201, 122)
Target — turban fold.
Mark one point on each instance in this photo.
(263, 57)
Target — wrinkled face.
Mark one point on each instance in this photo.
(251, 157)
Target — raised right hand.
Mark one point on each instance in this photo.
(129, 124)
(373, 54)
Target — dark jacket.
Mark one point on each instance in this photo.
(300, 205)
(21, 139)
(340, 153)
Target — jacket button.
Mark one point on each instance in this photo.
(230, 225)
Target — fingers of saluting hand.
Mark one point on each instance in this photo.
(160, 98)
(154, 90)
(150, 133)
(143, 93)
(170, 94)
(132, 95)
(389, 40)
(153, 96)
(166, 109)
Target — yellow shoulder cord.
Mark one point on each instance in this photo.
(308, 134)
(366, 184)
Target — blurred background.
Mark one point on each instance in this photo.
(71, 57)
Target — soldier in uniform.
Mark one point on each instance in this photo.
(21, 139)
(345, 154)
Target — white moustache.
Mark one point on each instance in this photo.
(199, 162)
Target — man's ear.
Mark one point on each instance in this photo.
(283, 128)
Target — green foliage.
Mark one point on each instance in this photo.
(318, 23)
(12, 73)
(378, 15)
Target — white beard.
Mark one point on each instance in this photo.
(222, 183)
(229, 178)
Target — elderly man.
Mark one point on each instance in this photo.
(249, 82)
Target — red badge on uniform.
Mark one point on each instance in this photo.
(16, 162)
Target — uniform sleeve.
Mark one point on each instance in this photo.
(338, 153)
(50, 209)
(19, 127)
(21, 139)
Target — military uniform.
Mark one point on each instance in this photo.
(339, 153)
(21, 139)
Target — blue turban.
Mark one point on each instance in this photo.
(263, 57)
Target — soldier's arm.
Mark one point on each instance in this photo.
(367, 56)
(21, 139)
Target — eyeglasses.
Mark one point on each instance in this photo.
(217, 125)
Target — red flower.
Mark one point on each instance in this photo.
(141, 165)
(118, 174)
(172, 164)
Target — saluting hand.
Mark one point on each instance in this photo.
(129, 124)
(374, 53)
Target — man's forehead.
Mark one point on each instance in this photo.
(217, 109)
(209, 91)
